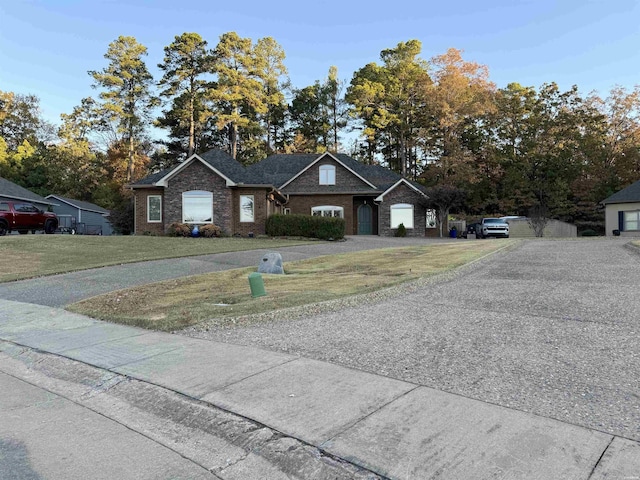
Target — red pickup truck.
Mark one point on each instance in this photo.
(23, 216)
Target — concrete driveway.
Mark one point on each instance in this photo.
(552, 327)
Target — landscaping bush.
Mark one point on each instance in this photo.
(310, 226)
(179, 230)
(589, 233)
(210, 230)
(401, 231)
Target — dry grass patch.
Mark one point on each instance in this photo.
(175, 304)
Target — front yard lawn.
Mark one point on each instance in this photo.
(223, 297)
(26, 256)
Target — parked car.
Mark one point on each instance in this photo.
(25, 217)
(492, 227)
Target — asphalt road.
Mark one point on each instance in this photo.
(551, 327)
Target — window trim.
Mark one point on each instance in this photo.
(195, 194)
(253, 209)
(328, 208)
(398, 207)
(149, 197)
(327, 174)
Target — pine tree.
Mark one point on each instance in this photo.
(127, 93)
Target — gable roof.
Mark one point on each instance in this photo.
(216, 160)
(320, 157)
(9, 189)
(279, 170)
(79, 204)
(626, 195)
(418, 190)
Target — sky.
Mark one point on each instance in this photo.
(47, 46)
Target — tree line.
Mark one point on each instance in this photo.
(440, 121)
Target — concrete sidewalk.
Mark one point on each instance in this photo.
(391, 428)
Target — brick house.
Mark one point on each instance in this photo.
(214, 188)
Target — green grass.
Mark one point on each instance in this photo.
(225, 296)
(27, 256)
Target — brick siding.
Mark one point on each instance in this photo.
(141, 224)
(309, 181)
(262, 208)
(402, 194)
(301, 204)
(198, 177)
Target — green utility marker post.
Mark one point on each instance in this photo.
(256, 285)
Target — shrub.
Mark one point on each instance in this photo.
(401, 231)
(589, 233)
(210, 230)
(179, 230)
(310, 226)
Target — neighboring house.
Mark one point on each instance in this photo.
(622, 211)
(82, 217)
(214, 188)
(13, 192)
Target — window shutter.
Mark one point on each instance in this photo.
(621, 221)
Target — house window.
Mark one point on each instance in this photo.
(246, 208)
(631, 221)
(402, 213)
(431, 219)
(327, 175)
(154, 209)
(197, 207)
(328, 211)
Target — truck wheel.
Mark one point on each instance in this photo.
(3, 229)
(50, 227)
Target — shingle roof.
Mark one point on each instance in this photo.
(9, 189)
(626, 195)
(278, 169)
(91, 207)
(154, 177)
(225, 164)
(218, 159)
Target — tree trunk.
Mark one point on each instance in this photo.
(334, 107)
(233, 134)
(403, 156)
(192, 122)
(130, 166)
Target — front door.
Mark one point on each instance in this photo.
(365, 220)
